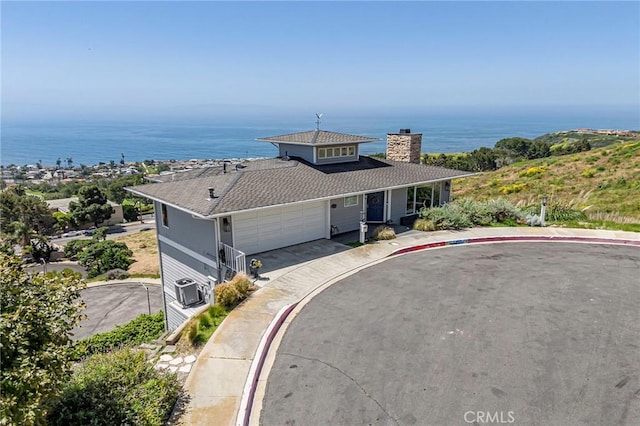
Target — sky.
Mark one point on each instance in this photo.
(105, 59)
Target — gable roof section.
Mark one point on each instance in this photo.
(298, 182)
(318, 138)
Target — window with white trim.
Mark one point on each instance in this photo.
(343, 151)
(351, 201)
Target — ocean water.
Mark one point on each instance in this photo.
(451, 131)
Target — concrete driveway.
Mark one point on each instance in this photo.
(114, 304)
(525, 333)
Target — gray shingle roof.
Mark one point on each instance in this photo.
(318, 138)
(260, 185)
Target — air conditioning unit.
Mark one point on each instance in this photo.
(187, 292)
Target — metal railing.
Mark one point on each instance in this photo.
(234, 259)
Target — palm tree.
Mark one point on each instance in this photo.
(58, 162)
(69, 162)
(122, 158)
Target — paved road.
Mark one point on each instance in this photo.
(113, 304)
(531, 333)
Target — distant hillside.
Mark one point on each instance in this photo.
(605, 182)
(596, 138)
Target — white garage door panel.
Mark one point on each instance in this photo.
(278, 227)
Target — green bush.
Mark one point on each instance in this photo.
(501, 210)
(466, 213)
(116, 274)
(202, 327)
(73, 247)
(142, 329)
(116, 389)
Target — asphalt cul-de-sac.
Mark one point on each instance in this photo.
(522, 333)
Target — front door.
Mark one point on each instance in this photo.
(375, 207)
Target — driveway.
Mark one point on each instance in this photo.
(524, 333)
(114, 304)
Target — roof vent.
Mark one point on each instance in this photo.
(405, 131)
(286, 156)
(212, 193)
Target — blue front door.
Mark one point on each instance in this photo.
(375, 207)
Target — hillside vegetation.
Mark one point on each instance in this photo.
(603, 182)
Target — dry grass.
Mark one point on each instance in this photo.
(384, 233)
(603, 182)
(144, 246)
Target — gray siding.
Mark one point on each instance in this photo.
(196, 234)
(177, 265)
(305, 152)
(445, 192)
(345, 218)
(398, 204)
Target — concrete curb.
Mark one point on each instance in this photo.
(250, 386)
(516, 238)
(275, 327)
(150, 281)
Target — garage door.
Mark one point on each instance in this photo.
(277, 227)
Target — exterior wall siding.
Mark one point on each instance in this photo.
(345, 218)
(177, 265)
(445, 192)
(398, 204)
(196, 234)
(304, 152)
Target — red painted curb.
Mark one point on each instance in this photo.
(261, 359)
(556, 238)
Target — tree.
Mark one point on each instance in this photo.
(91, 206)
(122, 159)
(100, 234)
(101, 256)
(69, 162)
(23, 216)
(58, 162)
(519, 146)
(38, 312)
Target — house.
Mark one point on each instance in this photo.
(209, 219)
(62, 205)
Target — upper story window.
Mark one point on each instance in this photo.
(165, 216)
(341, 151)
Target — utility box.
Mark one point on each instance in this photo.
(187, 292)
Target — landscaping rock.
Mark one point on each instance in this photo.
(185, 368)
(161, 366)
(176, 361)
(189, 359)
(173, 369)
(165, 358)
(169, 349)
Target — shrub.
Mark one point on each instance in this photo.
(227, 295)
(116, 274)
(424, 225)
(73, 247)
(501, 210)
(510, 189)
(383, 233)
(117, 388)
(142, 329)
(534, 220)
(533, 171)
(192, 331)
(588, 173)
(243, 284)
(563, 212)
(448, 216)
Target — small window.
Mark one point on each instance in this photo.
(165, 216)
(351, 201)
(344, 151)
(352, 150)
(321, 153)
